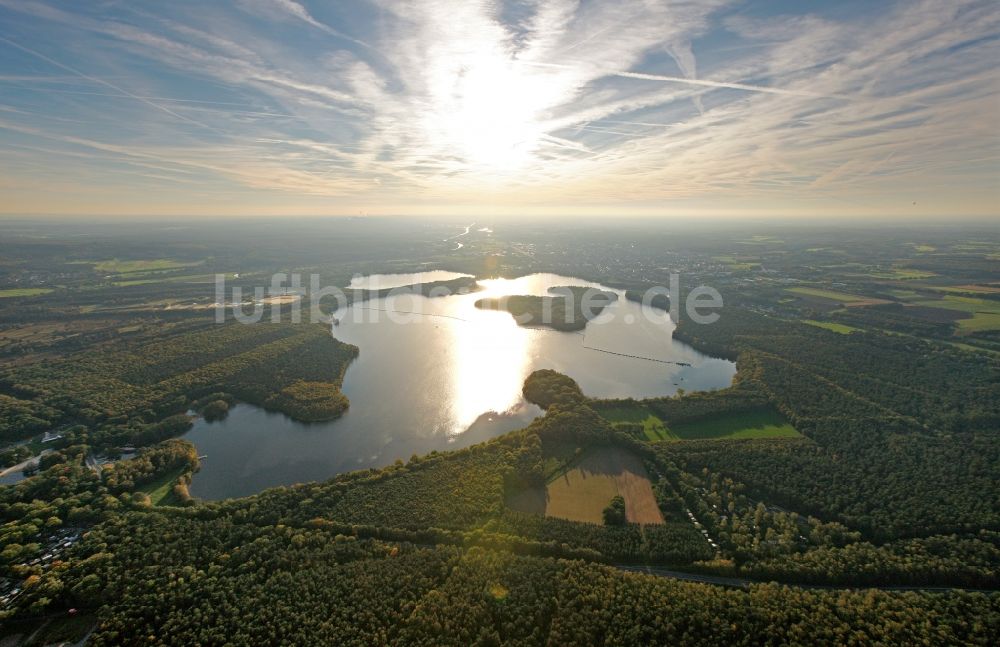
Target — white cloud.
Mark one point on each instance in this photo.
(579, 101)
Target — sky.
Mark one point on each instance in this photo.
(806, 109)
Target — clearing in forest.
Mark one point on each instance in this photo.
(761, 423)
(985, 313)
(839, 328)
(23, 292)
(582, 492)
(653, 428)
(745, 424)
(849, 300)
(161, 491)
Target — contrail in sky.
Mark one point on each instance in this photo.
(702, 82)
(720, 84)
(108, 84)
(300, 12)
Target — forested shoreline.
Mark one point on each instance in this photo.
(121, 398)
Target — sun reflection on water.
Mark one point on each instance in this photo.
(482, 357)
(491, 354)
(489, 364)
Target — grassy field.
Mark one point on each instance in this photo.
(752, 424)
(985, 313)
(23, 292)
(190, 278)
(582, 493)
(759, 239)
(115, 266)
(963, 304)
(161, 491)
(980, 321)
(738, 264)
(652, 427)
(826, 294)
(901, 274)
(967, 289)
(829, 325)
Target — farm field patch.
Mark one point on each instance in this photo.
(23, 292)
(582, 493)
(843, 329)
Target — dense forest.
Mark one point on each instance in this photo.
(122, 395)
(902, 432)
(254, 571)
(239, 583)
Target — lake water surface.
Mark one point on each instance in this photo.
(439, 374)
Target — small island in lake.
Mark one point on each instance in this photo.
(569, 310)
(448, 287)
(659, 301)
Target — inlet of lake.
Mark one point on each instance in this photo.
(440, 374)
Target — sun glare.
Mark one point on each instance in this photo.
(490, 363)
(490, 360)
(487, 110)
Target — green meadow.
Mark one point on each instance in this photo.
(985, 313)
(652, 427)
(116, 266)
(23, 292)
(161, 491)
(826, 294)
(901, 274)
(751, 424)
(829, 325)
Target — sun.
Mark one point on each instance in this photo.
(486, 110)
(495, 125)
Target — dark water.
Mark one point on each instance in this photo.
(446, 378)
(11, 478)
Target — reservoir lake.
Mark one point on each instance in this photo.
(440, 374)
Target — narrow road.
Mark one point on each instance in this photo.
(31, 462)
(687, 577)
